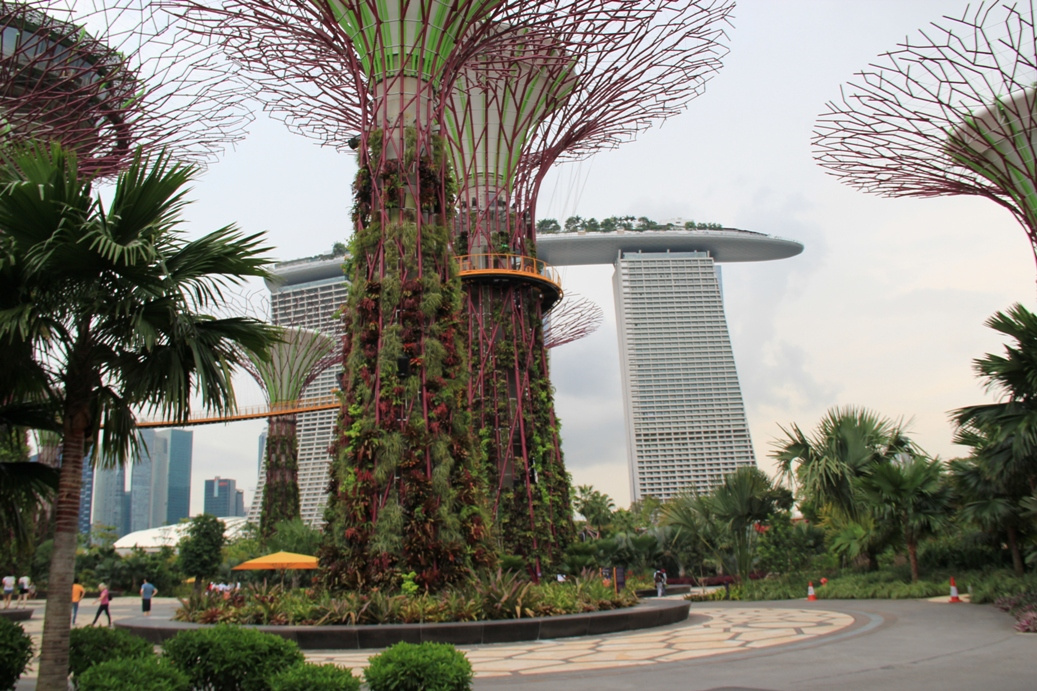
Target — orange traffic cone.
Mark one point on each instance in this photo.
(954, 592)
(810, 592)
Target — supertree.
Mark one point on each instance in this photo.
(952, 110)
(406, 489)
(563, 90)
(293, 364)
(108, 78)
(637, 63)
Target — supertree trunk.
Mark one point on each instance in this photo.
(281, 486)
(407, 491)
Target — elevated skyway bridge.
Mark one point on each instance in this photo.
(302, 405)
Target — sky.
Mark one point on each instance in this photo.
(884, 309)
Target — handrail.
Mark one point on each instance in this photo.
(470, 264)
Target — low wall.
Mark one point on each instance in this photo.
(645, 615)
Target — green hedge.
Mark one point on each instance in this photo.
(312, 677)
(139, 674)
(231, 658)
(15, 653)
(90, 645)
(423, 667)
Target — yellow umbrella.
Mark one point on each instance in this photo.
(278, 561)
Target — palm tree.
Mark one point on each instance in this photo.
(596, 507)
(827, 467)
(106, 300)
(742, 501)
(1004, 434)
(987, 493)
(912, 494)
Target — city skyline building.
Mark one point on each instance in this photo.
(160, 480)
(684, 415)
(181, 450)
(149, 481)
(223, 499)
(110, 504)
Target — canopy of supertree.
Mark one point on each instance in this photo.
(951, 110)
(106, 78)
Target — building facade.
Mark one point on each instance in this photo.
(160, 481)
(111, 505)
(686, 425)
(223, 498)
(181, 450)
(309, 293)
(149, 481)
(685, 420)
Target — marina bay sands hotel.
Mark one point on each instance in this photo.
(685, 419)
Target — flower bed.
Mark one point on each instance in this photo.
(491, 597)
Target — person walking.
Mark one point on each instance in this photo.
(8, 590)
(78, 591)
(660, 582)
(23, 591)
(147, 591)
(104, 599)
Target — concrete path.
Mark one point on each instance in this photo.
(844, 644)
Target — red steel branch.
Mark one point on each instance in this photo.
(108, 77)
(950, 111)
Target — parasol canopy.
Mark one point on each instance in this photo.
(278, 561)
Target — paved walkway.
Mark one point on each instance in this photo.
(711, 632)
(908, 644)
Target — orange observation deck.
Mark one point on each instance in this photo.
(511, 268)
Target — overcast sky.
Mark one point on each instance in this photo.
(884, 308)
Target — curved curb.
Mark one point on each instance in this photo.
(642, 616)
(19, 614)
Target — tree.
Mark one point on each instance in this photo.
(201, 550)
(103, 304)
(911, 493)
(827, 467)
(1003, 435)
(573, 223)
(596, 507)
(547, 226)
(986, 495)
(743, 501)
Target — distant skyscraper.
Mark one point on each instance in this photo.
(86, 493)
(308, 293)
(149, 481)
(111, 506)
(178, 503)
(223, 498)
(686, 425)
(685, 419)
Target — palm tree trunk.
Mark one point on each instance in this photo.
(53, 674)
(912, 556)
(1013, 545)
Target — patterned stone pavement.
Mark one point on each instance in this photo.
(710, 631)
(724, 630)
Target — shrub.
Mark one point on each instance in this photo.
(15, 653)
(231, 658)
(311, 677)
(423, 667)
(140, 674)
(89, 646)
